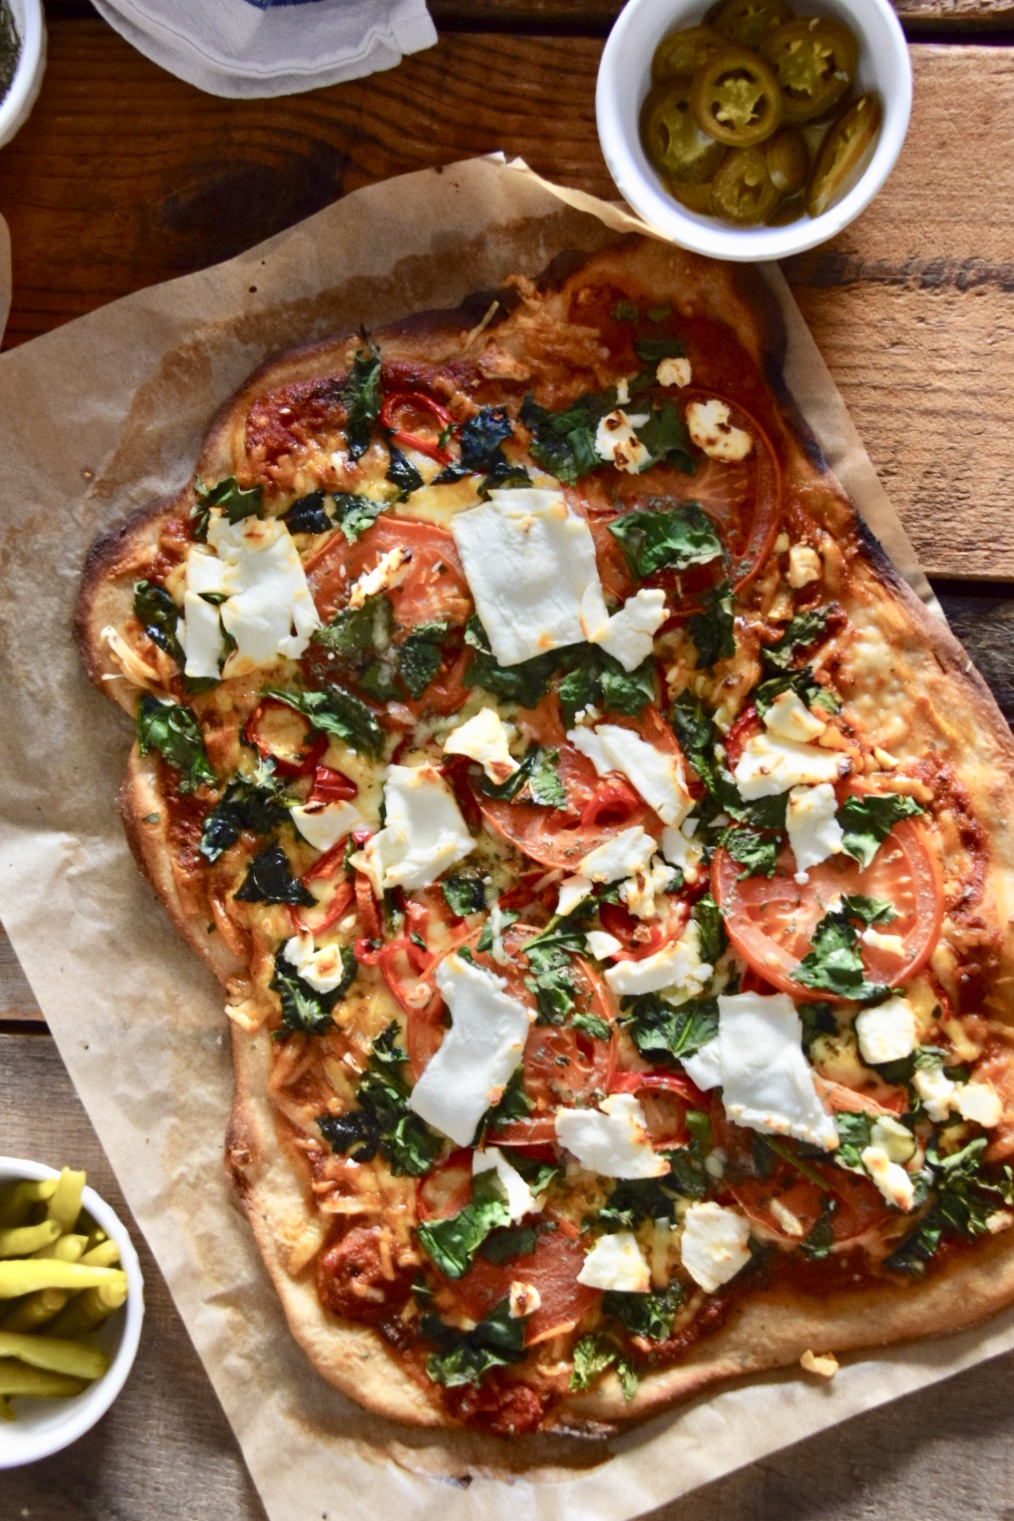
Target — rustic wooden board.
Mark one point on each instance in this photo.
(165, 1452)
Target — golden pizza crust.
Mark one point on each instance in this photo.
(903, 649)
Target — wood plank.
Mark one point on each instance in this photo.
(17, 1001)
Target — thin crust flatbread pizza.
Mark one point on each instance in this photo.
(607, 859)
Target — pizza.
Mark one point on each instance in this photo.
(605, 856)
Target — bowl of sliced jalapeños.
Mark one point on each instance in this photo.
(753, 129)
(71, 1307)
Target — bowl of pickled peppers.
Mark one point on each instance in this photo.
(71, 1307)
(753, 129)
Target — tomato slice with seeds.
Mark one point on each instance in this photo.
(433, 588)
(552, 1269)
(771, 920)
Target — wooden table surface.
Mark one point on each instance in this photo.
(124, 176)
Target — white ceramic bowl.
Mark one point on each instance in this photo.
(44, 1426)
(625, 78)
(27, 81)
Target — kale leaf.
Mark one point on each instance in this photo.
(256, 803)
(383, 1117)
(269, 879)
(465, 1357)
(360, 394)
(308, 515)
(673, 538)
(175, 733)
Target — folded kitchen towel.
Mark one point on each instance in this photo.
(271, 47)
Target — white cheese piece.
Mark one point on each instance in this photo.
(788, 717)
(479, 1054)
(786, 1221)
(528, 560)
(804, 566)
(602, 945)
(496, 924)
(891, 945)
(892, 1180)
(768, 1085)
(892, 1137)
(980, 1103)
(612, 1140)
(623, 855)
(629, 634)
(323, 825)
(705, 1066)
(207, 575)
(617, 443)
(769, 765)
(617, 1265)
(714, 1244)
(813, 830)
(520, 1199)
(824, 1364)
(423, 835)
(573, 890)
(680, 849)
(674, 371)
(524, 1299)
(657, 775)
(484, 739)
(200, 635)
(936, 1091)
(321, 967)
(677, 966)
(644, 895)
(389, 570)
(711, 430)
(888, 1032)
(268, 608)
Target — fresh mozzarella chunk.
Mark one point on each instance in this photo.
(788, 717)
(268, 608)
(424, 833)
(814, 832)
(616, 441)
(602, 945)
(786, 1220)
(888, 1032)
(892, 1137)
(804, 566)
(573, 890)
(892, 1180)
(644, 895)
(207, 575)
(483, 738)
(709, 426)
(680, 849)
(612, 1140)
(768, 1085)
(714, 1245)
(528, 560)
(893, 945)
(323, 825)
(769, 765)
(936, 1091)
(674, 372)
(623, 855)
(617, 1265)
(677, 966)
(479, 1054)
(628, 635)
(520, 1199)
(705, 1066)
(656, 774)
(200, 635)
(389, 570)
(321, 967)
(980, 1103)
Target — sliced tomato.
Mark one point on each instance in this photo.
(552, 1269)
(637, 938)
(433, 588)
(771, 920)
(665, 1098)
(446, 1189)
(279, 734)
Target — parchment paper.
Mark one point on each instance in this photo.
(95, 419)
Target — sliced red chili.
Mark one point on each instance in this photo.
(404, 412)
(610, 801)
(331, 786)
(279, 734)
(330, 864)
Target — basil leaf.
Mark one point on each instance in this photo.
(452, 1243)
(505, 1245)
(804, 631)
(159, 616)
(635, 1200)
(356, 514)
(707, 915)
(649, 1315)
(564, 442)
(175, 733)
(514, 1104)
(810, 693)
(269, 879)
(336, 711)
(524, 684)
(591, 1024)
(593, 1356)
(236, 501)
(465, 1357)
(625, 691)
(664, 436)
(713, 629)
(418, 658)
(834, 964)
(355, 631)
(505, 917)
(308, 515)
(360, 394)
(756, 853)
(868, 820)
(464, 894)
(675, 538)
(664, 1034)
(853, 1137)
(868, 910)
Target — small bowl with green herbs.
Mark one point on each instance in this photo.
(22, 62)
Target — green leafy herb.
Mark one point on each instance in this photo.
(804, 631)
(236, 501)
(868, 910)
(591, 1024)
(649, 1315)
(465, 1357)
(817, 1019)
(356, 514)
(357, 631)
(853, 1137)
(755, 852)
(514, 1104)
(664, 1034)
(664, 436)
(707, 915)
(464, 893)
(564, 442)
(383, 1118)
(654, 350)
(868, 820)
(256, 803)
(159, 616)
(360, 394)
(308, 515)
(713, 628)
(269, 879)
(834, 963)
(675, 538)
(504, 919)
(537, 780)
(453, 1242)
(505, 1245)
(337, 711)
(175, 733)
(966, 1198)
(593, 1355)
(809, 691)
(524, 684)
(418, 658)
(819, 1239)
(306, 1010)
(402, 473)
(635, 1200)
(481, 438)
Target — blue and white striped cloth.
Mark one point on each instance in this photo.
(271, 47)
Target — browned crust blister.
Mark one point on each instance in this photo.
(950, 706)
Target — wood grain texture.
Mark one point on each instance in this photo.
(165, 1452)
(17, 1001)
